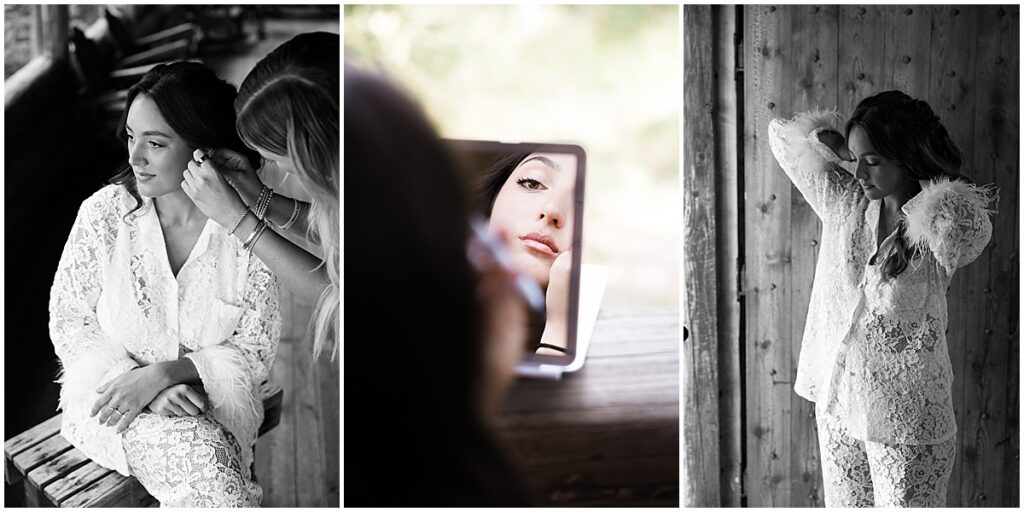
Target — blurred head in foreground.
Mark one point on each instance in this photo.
(430, 343)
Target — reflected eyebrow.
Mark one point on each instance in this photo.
(544, 160)
(150, 132)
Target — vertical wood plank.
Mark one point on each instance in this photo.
(276, 450)
(728, 230)
(699, 355)
(908, 49)
(768, 259)
(862, 68)
(1007, 228)
(989, 470)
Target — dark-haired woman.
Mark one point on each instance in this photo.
(898, 221)
(165, 324)
(529, 196)
(288, 111)
(448, 334)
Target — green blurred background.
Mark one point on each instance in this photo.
(603, 76)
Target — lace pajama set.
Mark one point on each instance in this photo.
(115, 305)
(873, 356)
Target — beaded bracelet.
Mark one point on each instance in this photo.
(238, 222)
(294, 216)
(263, 203)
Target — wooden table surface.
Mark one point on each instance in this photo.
(607, 435)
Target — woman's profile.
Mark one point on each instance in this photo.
(288, 111)
(898, 221)
(530, 197)
(165, 326)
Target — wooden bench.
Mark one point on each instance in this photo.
(55, 474)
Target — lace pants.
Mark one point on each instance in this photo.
(868, 474)
(188, 461)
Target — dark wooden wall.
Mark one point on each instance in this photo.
(963, 60)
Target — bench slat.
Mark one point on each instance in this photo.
(35, 456)
(62, 490)
(111, 490)
(31, 437)
(169, 51)
(57, 468)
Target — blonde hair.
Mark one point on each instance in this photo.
(288, 105)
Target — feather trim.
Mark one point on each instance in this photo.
(226, 377)
(950, 218)
(93, 368)
(79, 380)
(795, 142)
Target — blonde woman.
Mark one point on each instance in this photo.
(288, 111)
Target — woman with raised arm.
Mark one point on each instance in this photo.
(898, 220)
(288, 111)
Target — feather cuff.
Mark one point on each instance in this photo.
(950, 218)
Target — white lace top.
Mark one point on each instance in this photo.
(874, 351)
(116, 305)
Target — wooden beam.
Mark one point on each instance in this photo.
(56, 33)
(700, 482)
(728, 230)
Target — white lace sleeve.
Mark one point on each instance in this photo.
(87, 357)
(231, 371)
(951, 219)
(809, 163)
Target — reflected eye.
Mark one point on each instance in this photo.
(155, 144)
(530, 184)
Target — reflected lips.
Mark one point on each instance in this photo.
(143, 177)
(540, 243)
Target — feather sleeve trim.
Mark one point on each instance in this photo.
(951, 219)
(795, 142)
(226, 377)
(79, 381)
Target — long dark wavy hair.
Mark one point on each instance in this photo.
(413, 311)
(288, 105)
(906, 130)
(195, 103)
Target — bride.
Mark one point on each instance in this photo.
(165, 325)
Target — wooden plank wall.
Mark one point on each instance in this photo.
(728, 209)
(963, 60)
(700, 352)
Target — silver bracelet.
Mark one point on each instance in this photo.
(294, 217)
(254, 237)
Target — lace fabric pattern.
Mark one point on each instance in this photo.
(859, 473)
(188, 461)
(116, 305)
(874, 349)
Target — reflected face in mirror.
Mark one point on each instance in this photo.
(534, 207)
